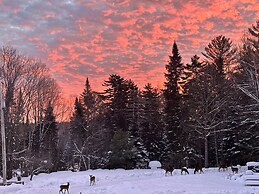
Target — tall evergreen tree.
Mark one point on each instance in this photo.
(152, 131)
(88, 101)
(133, 111)
(115, 96)
(133, 107)
(247, 145)
(172, 109)
(49, 142)
(220, 52)
(95, 141)
(78, 126)
(193, 144)
(122, 101)
(211, 85)
(122, 151)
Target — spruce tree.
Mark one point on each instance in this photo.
(94, 115)
(193, 150)
(122, 101)
(133, 111)
(221, 54)
(115, 96)
(122, 151)
(88, 101)
(78, 126)
(172, 109)
(152, 131)
(49, 144)
(247, 136)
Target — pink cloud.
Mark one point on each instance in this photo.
(129, 37)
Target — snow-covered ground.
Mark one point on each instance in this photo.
(145, 181)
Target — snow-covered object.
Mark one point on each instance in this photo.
(154, 164)
(252, 176)
(252, 163)
(18, 172)
(249, 172)
(252, 179)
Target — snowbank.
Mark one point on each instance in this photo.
(141, 181)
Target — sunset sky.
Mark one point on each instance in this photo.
(132, 38)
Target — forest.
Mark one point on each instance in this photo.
(207, 112)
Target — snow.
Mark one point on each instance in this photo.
(252, 163)
(154, 164)
(137, 181)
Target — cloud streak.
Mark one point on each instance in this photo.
(81, 38)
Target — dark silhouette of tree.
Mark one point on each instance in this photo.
(246, 146)
(220, 52)
(210, 92)
(88, 101)
(94, 142)
(116, 99)
(172, 102)
(152, 131)
(122, 151)
(78, 130)
(122, 100)
(194, 146)
(49, 141)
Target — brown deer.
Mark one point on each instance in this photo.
(169, 169)
(234, 169)
(185, 170)
(222, 166)
(197, 168)
(64, 188)
(92, 179)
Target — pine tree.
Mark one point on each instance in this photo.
(151, 124)
(78, 133)
(220, 52)
(88, 101)
(193, 150)
(94, 115)
(209, 98)
(133, 111)
(132, 107)
(123, 107)
(172, 109)
(246, 145)
(49, 141)
(116, 99)
(122, 151)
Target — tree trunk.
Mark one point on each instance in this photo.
(206, 152)
(216, 149)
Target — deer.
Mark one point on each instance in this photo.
(222, 166)
(92, 180)
(64, 188)
(184, 169)
(234, 169)
(197, 168)
(169, 169)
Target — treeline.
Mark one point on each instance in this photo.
(207, 112)
(29, 93)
